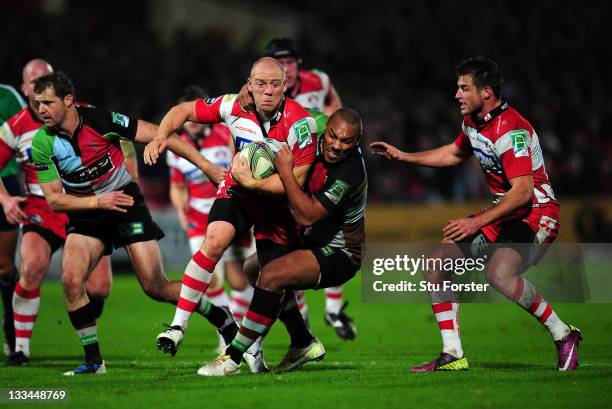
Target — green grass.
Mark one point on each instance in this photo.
(511, 360)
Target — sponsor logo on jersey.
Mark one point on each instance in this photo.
(337, 190)
(519, 143)
(487, 161)
(91, 172)
(242, 128)
(302, 132)
(120, 119)
(41, 167)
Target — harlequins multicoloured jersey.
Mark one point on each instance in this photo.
(89, 162)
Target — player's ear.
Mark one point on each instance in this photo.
(69, 100)
(486, 92)
(249, 84)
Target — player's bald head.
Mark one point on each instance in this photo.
(350, 117)
(34, 69)
(267, 65)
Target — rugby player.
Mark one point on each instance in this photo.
(43, 230)
(524, 210)
(314, 91)
(332, 210)
(262, 204)
(81, 171)
(192, 196)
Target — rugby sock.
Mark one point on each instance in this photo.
(198, 274)
(217, 316)
(447, 316)
(97, 303)
(25, 310)
(333, 299)
(296, 326)
(527, 297)
(7, 288)
(241, 301)
(301, 303)
(257, 321)
(218, 297)
(84, 322)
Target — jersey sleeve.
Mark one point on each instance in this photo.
(514, 150)
(214, 110)
(339, 185)
(463, 142)
(302, 140)
(42, 156)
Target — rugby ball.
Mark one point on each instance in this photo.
(260, 157)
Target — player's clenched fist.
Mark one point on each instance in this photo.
(283, 160)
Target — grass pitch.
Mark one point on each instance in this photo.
(511, 357)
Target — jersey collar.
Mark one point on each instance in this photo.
(275, 119)
(491, 114)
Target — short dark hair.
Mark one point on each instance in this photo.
(349, 116)
(484, 71)
(191, 93)
(59, 81)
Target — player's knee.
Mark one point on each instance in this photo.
(99, 290)
(33, 270)
(73, 284)
(269, 279)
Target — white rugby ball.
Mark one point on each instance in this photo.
(260, 157)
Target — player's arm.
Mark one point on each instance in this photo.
(519, 196)
(332, 101)
(306, 208)
(147, 133)
(62, 202)
(443, 156)
(129, 154)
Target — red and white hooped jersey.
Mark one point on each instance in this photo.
(313, 91)
(216, 147)
(293, 126)
(506, 146)
(16, 136)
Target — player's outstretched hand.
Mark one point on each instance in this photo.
(153, 149)
(245, 99)
(12, 211)
(283, 160)
(459, 229)
(386, 150)
(241, 172)
(117, 201)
